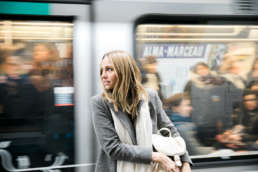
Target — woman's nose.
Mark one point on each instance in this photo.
(104, 74)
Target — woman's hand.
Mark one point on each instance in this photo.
(165, 162)
(185, 167)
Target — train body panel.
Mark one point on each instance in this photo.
(129, 11)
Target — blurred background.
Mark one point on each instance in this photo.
(200, 56)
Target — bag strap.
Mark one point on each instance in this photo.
(165, 129)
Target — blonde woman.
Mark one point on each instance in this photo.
(124, 116)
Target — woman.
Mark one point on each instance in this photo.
(124, 118)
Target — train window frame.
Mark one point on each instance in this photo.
(200, 20)
(58, 107)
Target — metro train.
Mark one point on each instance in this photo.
(50, 51)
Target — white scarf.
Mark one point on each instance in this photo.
(143, 128)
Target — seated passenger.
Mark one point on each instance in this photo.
(245, 134)
(179, 112)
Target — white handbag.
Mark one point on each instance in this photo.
(171, 146)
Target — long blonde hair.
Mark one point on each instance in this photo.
(128, 90)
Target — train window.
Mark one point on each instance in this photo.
(36, 93)
(206, 73)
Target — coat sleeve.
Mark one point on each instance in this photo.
(164, 121)
(108, 138)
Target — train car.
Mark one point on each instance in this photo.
(50, 54)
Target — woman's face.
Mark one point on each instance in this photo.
(250, 102)
(13, 66)
(152, 68)
(202, 70)
(236, 67)
(108, 74)
(185, 108)
(41, 53)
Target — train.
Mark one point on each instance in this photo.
(45, 102)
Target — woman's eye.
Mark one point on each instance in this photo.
(109, 69)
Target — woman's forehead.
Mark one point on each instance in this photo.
(106, 62)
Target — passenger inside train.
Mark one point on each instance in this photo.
(179, 108)
(209, 91)
(244, 136)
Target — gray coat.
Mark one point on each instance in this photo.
(112, 149)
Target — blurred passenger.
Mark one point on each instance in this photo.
(3, 54)
(43, 73)
(44, 56)
(237, 63)
(150, 75)
(212, 103)
(180, 114)
(180, 107)
(44, 52)
(18, 95)
(250, 118)
(49, 72)
(233, 71)
(245, 134)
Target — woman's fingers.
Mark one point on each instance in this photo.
(165, 162)
(170, 165)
